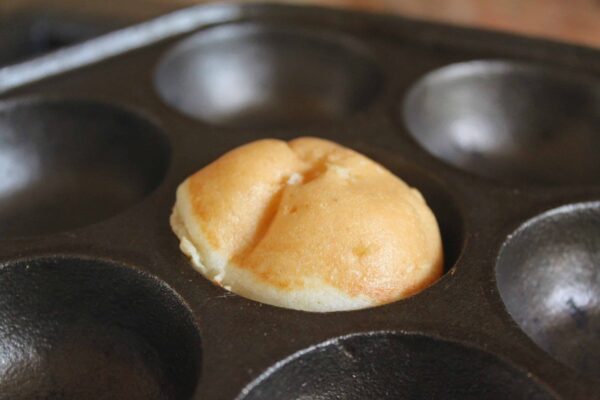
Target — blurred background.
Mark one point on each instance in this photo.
(32, 27)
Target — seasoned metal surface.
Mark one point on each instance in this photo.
(31, 32)
(548, 275)
(393, 366)
(507, 120)
(68, 164)
(495, 130)
(251, 75)
(77, 328)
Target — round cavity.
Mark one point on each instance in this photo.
(548, 275)
(249, 75)
(509, 121)
(80, 329)
(393, 366)
(68, 163)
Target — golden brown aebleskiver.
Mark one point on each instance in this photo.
(309, 225)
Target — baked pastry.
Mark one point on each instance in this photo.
(308, 225)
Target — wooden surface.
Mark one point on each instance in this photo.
(575, 21)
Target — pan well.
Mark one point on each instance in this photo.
(509, 121)
(66, 164)
(259, 76)
(394, 366)
(72, 328)
(548, 275)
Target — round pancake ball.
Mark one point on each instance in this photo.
(308, 225)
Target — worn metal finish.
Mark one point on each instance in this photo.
(548, 275)
(510, 120)
(115, 124)
(31, 32)
(251, 75)
(76, 328)
(68, 164)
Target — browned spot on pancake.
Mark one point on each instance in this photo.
(263, 227)
(360, 251)
(200, 210)
(315, 171)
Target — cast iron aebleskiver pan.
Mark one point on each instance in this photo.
(500, 133)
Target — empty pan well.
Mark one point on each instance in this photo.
(509, 121)
(80, 329)
(393, 366)
(69, 163)
(548, 274)
(248, 75)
